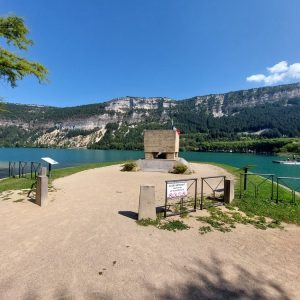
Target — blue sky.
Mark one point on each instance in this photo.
(97, 50)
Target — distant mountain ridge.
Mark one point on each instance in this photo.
(113, 123)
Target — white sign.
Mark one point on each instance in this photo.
(176, 189)
(50, 160)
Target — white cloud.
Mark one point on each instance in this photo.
(280, 72)
(280, 67)
(256, 78)
(294, 71)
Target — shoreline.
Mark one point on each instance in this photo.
(285, 154)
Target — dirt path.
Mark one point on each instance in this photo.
(85, 245)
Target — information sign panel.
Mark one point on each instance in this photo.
(50, 160)
(176, 189)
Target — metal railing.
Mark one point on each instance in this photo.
(282, 182)
(34, 169)
(246, 179)
(215, 187)
(12, 169)
(21, 168)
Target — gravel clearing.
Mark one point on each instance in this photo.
(85, 244)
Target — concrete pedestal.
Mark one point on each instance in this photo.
(43, 171)
(156, 165)
(41, 190)
(147, 208)
(228, 190)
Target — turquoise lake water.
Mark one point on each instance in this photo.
(71, 157)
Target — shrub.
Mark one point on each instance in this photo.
(129, 166)
(180, 169)
(173, 225)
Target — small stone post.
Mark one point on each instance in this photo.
(228, 190)
(147, 208)
(43, 171)
(41, 188)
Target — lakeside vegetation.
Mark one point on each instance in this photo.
(13, 136)
(201, 142)
(26, 182)
(274, 145)
(285, 211)
(262, 205)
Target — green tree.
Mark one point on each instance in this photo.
(12, 66)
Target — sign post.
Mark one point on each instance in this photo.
(50, 162)
(178, 189)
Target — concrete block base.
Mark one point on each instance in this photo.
(228, 190)
(156, 165)
(147, 208)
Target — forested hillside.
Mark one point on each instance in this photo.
(206, 122)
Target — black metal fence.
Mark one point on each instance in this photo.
(23, 168)
(292, 184)
(12, 169)
(258, 185)
(34, 169)
(216, 186)
(255, 184)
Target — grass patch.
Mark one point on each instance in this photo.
(262, 205)
(148, 222)
(170, 225)
(225, 221)
(15, 184)
(182, 210)
(173, 225)
(205, 229)
(25, 183)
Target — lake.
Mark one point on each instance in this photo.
(72, 157)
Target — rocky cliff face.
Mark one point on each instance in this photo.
(59, 138)
(52, 125)
(124, 104)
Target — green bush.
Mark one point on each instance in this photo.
(180, 169)
(129, 166)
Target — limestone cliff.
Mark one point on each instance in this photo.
(84, 125)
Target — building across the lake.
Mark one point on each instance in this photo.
(161, 144)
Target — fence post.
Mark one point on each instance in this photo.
(277, 192)
(201, 200)
(245, 178)
(196, 187)
(42, 188)
(272, 189)
(241, 176)
(228, 190)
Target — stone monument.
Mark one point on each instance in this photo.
(161, 148)
(147, 208)
(161, 144)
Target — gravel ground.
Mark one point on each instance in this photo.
(85, 244)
